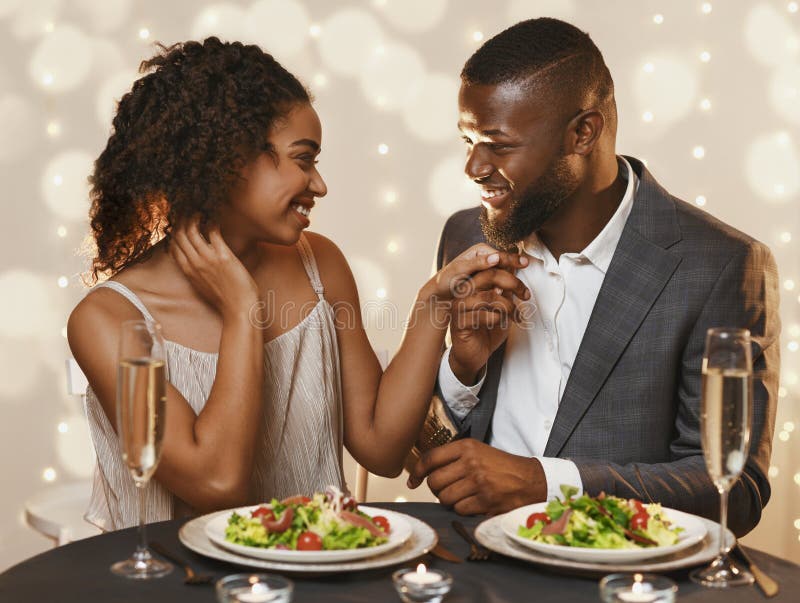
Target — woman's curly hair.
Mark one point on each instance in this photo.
(180, 139)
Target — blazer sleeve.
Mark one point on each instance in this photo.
(745, 295)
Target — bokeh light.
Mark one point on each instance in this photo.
(413, 16)
(61, 60)
(772, 167)
(283, 37)
(768, 35)
(225, 21)
(666, 86)
(449, 190)
(392, 78)
(64, 184)
(342, 51)
(17, 124)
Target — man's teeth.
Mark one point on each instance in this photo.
(301, 209)
(490, 194)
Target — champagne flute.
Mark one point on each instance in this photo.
(725, 412)
(141, 402)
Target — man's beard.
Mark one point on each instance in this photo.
(535, 205)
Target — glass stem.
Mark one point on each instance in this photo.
(141, 548)
(723, 522)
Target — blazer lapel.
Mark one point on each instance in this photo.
(639, 271)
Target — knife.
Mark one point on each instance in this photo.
(443, 553)
(767, 585)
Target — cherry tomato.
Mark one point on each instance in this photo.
(382, 523)
(534, 517)
(349, 503)
(639, 505)
(309, 541)
(639, 521)
(263, 511)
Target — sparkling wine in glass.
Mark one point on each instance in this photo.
(725, 410)
(141, 401)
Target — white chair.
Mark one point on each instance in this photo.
(57, 510)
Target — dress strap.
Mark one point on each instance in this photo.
(310, 264)
(129, 295)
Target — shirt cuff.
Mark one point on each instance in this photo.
(460, 398)
(558, 472)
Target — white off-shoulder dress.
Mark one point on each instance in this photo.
(301, 450)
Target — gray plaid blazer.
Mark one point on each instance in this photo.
(629, 415)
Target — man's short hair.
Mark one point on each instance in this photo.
(550, 52)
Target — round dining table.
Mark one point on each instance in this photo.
(79, 571)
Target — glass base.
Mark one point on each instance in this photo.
(722, 573)
(142, 566)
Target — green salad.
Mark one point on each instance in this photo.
(601, 522)
(327, 521)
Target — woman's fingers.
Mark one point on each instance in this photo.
(180, 240)
(201, 246)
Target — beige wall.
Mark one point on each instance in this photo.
(65, 60)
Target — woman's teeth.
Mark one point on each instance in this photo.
(300, 209)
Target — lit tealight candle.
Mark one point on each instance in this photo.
(423, 576)
(422, 585)
(638, 588)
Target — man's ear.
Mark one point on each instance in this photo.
(584, 131)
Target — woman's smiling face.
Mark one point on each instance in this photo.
(279, 190)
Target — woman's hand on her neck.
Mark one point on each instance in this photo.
(214, 270)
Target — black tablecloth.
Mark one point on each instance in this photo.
(79, 572)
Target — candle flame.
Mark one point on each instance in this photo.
(421, 568)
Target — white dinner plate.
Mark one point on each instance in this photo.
(694, 530)
(423, 538)
(400, 532)
(491, 535)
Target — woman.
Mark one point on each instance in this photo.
(199, 203)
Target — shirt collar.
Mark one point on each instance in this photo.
(600, 251)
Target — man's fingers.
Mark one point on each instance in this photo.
(471, 505)
(457, 491)
(497, 277)
(445, 476)
(433, 459)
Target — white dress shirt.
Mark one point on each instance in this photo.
(540, 353)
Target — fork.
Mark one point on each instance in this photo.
(190, 576)
(477, 552)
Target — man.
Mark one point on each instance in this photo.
(600, 387)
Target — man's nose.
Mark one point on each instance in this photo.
(477, 167)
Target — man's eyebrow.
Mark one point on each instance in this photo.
(492, 132)
(306, 142)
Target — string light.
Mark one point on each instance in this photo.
(786, 237)
(58, 180)
(658, 19)
(705, 104)
(49, 27)
(63, 281)
(788, 426)
(792, 346)
(314, 30)
(477, 36)
(392, 247)
(698, 152)
(61, 231)
(705, 56)
(706, 8)
(47, 79)
(320, 80)
(63, 427)
(404, 499)
(49, 474)
(773, 471)
(649, 67)
(794, 330)
(797, 478)
(647, 116)
(788, 284)
(782, 392)
(797, 524)
(792, 7)
(383, 149)
(784, 436)
(700, 200)
(381, 293)
(390, 197)
(144, 33)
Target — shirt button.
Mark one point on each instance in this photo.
(548, 424)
